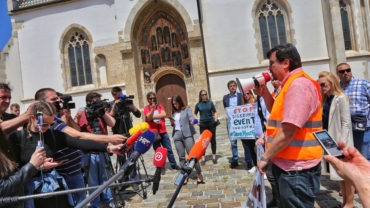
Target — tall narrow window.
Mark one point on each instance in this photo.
(344, 14)
(272, 26)
(79, 60)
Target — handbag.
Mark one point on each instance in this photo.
(359, 122)
(218, 122)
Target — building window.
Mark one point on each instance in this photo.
(272, 26)
(79, 60)
(345, 16)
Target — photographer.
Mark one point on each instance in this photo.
(95, 119)
(120, 109)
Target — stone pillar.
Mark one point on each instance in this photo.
(334, 33)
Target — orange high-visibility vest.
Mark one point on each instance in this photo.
(304, 145)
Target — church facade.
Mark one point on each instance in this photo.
(173, 46)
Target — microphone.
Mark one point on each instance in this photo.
(123, 96)
(159, 161)
(142, 145)
(139, 127)
(135, 133)
(194, 156)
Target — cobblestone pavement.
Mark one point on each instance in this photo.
(224, 187)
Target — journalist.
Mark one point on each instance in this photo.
(120, 109)
(95, 119)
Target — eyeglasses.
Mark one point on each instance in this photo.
(47, 124)
(345, 70)
(322, 84)
(203, 94)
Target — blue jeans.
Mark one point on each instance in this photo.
(166, 143)
(297, 188)
(98, 174)
(75, 182)
(361, 140)
(234, 150)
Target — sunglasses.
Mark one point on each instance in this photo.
(151, 98)
(322, 84)
(47, 124)
(247, 93)
(345, 70)
(204, 94)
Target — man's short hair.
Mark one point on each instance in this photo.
(287, 51)
(91, 96)
(115, 90)
(14, 105)
(5, 86)
(230, 82)
(340, 65)
(149, 94)
(41, 93)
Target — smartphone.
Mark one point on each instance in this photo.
(155, 100)
(328, 143)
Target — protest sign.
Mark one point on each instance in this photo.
(240, 122)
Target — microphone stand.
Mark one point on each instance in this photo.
(185, 172)
(96, 193)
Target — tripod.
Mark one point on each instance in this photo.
(94, 123)
(123, 117)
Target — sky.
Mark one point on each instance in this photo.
(5, 24)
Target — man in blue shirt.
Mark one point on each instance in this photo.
(358, 91)
(234, 99)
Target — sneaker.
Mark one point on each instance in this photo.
(252, 170)
(234, 164)
(175, 167)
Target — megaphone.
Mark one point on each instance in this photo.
(245, 85)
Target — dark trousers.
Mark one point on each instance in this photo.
(297, 188)
(250, 144)
(211, 126)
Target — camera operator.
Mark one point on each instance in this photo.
(95, 119)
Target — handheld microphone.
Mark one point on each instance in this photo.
(195, 121)
(142, 145)
(194, 156)
(136, 132)
(40, 122)
(159, 160)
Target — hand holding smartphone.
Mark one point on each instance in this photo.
(328, 143)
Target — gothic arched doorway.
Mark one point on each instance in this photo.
(168, 86)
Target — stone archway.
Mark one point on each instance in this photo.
(168, 86)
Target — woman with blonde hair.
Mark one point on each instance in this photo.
(248, 98)
(336, 120)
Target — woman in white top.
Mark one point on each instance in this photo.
(183, 131)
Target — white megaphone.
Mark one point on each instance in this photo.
(245, 85)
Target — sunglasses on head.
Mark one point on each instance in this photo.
(344, 70)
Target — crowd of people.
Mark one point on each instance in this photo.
(65, 152)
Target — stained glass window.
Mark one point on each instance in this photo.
(272, 26)
(79, 60)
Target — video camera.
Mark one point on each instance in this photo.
(65, 103)
(125, 100)
(96, 108)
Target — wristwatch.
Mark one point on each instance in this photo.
(264, 159)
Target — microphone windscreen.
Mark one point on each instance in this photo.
(201, 145)
(130, 141)
(122, 96)
(144, 142)
(141, 126)
(160, 156)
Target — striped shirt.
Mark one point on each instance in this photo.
(358, 91)
(71, 167)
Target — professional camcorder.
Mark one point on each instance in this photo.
(65, 103)
(96, 108)
(125, 100)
